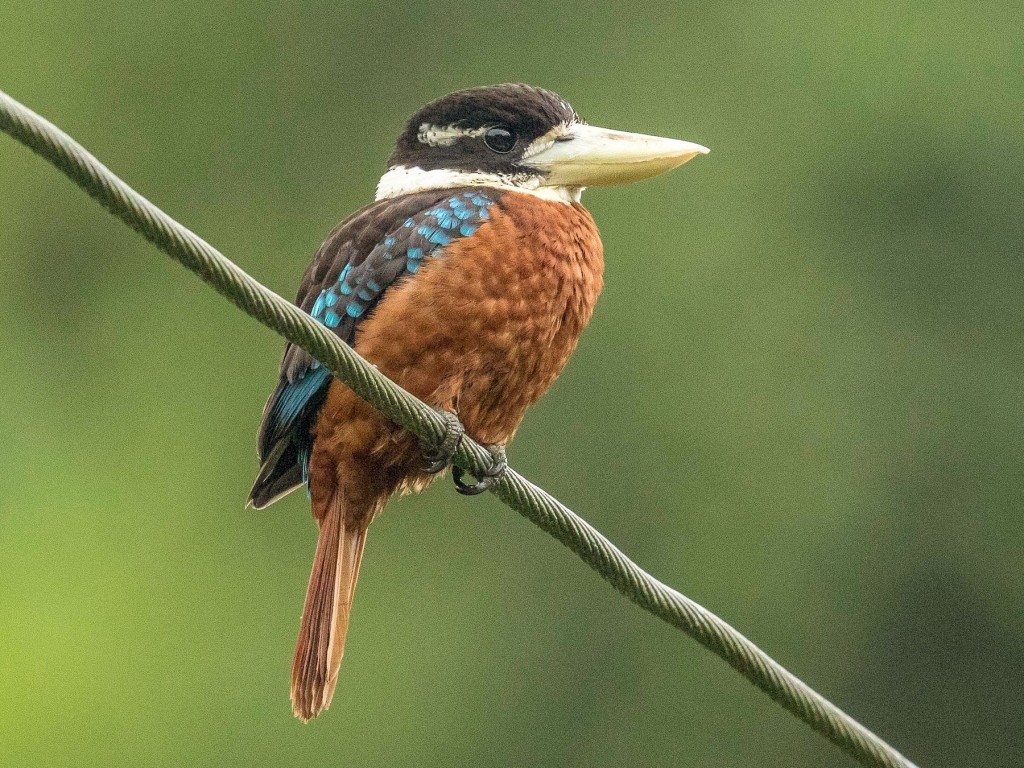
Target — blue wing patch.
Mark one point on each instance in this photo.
(292, 401)
(399, 254)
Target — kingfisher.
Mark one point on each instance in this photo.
(468, 282)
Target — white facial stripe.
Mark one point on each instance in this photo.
(543, 142)
(400, 181)
(446, 135)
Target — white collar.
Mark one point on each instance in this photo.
(400, 181)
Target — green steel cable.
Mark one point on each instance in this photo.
(517, 492)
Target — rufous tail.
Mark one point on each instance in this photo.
(332, 584)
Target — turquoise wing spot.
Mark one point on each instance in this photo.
(318, 307)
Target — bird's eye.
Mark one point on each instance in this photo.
(500, 140)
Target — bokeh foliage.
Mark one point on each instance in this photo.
(800, 400)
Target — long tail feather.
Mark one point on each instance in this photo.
(332, 584)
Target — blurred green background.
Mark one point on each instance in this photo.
(799, 401)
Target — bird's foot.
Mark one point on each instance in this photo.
(491, 475)
(437, 458)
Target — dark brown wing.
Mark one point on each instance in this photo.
(364, 256)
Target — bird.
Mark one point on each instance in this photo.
(468, 282)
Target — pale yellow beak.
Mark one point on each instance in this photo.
(591, 156)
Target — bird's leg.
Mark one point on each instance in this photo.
(437, 458)
(491, 475)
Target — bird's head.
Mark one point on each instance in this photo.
(520, 137)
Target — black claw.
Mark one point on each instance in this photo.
(490, 477)
(437, 458)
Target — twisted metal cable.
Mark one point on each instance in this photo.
(517, 492)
